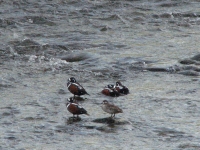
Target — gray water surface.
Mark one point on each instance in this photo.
(98, 42)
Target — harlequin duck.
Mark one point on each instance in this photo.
(110, 90)
(75, 88)
(121, 88)
(110, 108)
(75, 108)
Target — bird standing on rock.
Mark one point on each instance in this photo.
(75, 108)
(110, 108)
(75, 88)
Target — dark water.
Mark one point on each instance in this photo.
(145, 44)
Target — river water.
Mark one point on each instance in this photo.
(43, 43)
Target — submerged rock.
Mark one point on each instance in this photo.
(189, 146)
(196, 57)
(104, 120)
(189, 73)
(71, 120)
(189, 61)
(189, 67)
(75, 57)
(109, 120)
(193, 60)
(26, 46)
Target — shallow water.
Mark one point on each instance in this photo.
(44, 43)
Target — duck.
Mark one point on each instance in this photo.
(110, 108)
(75, 88)
(110, 90)
(75, 108)
(121, 88)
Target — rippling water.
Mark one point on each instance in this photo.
(98, 42)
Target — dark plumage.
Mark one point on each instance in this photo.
(121, 88)
(110, 90)
(75, 88)
(75, 108)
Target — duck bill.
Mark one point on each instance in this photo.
(87, 114)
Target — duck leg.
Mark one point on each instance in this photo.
(73, 117)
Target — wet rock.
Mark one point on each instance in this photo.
(189, 73)
(166, 15)
(187, 61)
(6, 114)
(196, 57)
(104, 29)
(189, 146)
(193, 60)
(72, 120)
(193, 68)
(90, 127)
(11, 138)
(169, 4)
(156, 16)
(74, 57)
(156, 69)
(104, 120)
(188, 15)
(189, 68)
(109, 120)
(26, 46)
(183, 15)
